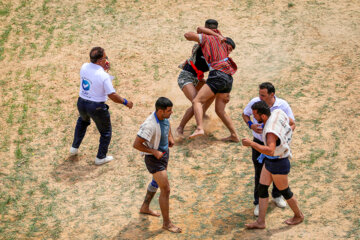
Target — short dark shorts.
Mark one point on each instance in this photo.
(278, 166)
(219, 82)
(156, 165)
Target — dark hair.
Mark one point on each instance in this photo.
(267, 85)
(261, 108)
(96, 53)
(211, 23)
(230, 42)
(163, 103)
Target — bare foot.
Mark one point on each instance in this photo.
(231, 138)
(197, 133)
(180, 131)
(295, 220)
(149, 212)
(172, 228)
(255, 225)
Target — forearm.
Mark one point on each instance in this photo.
(246, 118)
(116, 98)
(207, 31)
(142, 148)
(292, 124)
(263, 149)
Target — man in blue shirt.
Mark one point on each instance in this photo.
(153, 140)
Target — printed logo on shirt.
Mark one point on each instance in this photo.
(85, 84)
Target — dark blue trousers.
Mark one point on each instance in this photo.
(99, 113)
(258, 166)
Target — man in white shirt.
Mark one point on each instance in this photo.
(95, 88)
(267, 94)
(153, 140)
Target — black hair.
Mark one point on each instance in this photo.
(261, 108)
(211, 23)
(163, 103)
(96, 53)
(267, 85)
(230, 42)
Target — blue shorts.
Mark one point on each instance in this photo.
(278, 166)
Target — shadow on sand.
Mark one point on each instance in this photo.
(76, 168)
(138, 229)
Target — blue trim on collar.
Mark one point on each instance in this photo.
(157, 120)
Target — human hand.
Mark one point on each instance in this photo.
(246, 142)
(158, 154)
(171, 142)
(257, 128)
(107, 66)
(222, 38)
(129, 104)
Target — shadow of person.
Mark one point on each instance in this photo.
(73, 169)
(260, 233)
(137, 229)
(225, 225)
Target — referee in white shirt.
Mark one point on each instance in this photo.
(267, 94)
(95, 88)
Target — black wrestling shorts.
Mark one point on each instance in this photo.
(156, 165)
(278, 166)
(219, 82)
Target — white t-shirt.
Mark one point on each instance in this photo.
(95, 83)
(278, 104)
(278, 124)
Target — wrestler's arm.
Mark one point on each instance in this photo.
(210, 32)
(292, 123)
(191, 36)
(171, 138)
(267, 150)
(138, 145)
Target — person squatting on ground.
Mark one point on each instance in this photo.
(191, 77)
(216, 50)
(275, 153)
(267, 94)
(95, 88)
(153, 140)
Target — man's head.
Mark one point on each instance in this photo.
(261, 111)
(266, 92)
(163, 108)
(211, 23)
(231, 43)
(98, 56)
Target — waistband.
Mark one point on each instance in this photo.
(89, 101)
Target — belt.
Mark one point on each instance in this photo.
(85, 100)
(199, 73)
(262, 156)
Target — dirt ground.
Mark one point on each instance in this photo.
(308, 49)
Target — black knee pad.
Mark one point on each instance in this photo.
(287, 193)
(263, 191)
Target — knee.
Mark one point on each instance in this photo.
(287, 193)
(196, 101)
(153, 186)
(263, 191)
(165, 190)
(226, 99)
(219, 111)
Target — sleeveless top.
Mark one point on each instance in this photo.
(278, 124)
